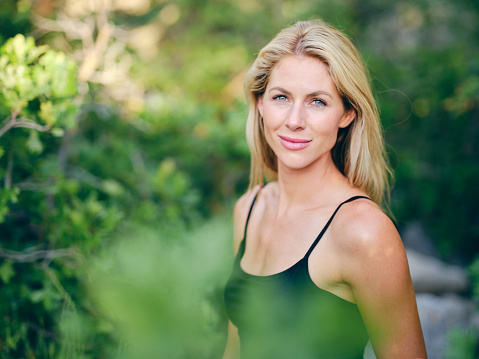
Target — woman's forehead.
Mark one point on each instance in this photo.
(301, 73)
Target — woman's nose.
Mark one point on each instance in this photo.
(295, 120)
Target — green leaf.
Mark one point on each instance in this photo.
(6, 271)
(32, 74)
(35, 53)
(56, 132)
(46, 112)
(19, 47)
(34, 144)
(7, 195)
(113, 188)
(64, 75)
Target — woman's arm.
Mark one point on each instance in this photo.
(232, 343)
(240, 213)
(378, 274)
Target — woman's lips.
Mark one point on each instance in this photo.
(294, 143)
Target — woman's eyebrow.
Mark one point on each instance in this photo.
(280, 89)
(317, 93)
(312, 94)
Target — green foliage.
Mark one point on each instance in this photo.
(7, 195)
(37, 89)
(474, 275)
(37, 83)
(162, 295)
(15, 18)
(462, 344)
(6, 271)
(427, 91)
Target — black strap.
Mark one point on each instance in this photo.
(329, 222)
(322, 231)
(249, 215)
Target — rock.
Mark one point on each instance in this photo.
(430, 275)
(369, 352)
(475, 322)
(439, 315)
(414, 236)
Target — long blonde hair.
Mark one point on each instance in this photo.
(359, 150)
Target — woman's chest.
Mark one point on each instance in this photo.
(274, 244)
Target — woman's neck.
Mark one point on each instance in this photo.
(310, 187)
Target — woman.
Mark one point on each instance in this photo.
(313, 130)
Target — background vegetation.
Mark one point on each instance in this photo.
(123, 134)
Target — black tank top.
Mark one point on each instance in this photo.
(286, 316)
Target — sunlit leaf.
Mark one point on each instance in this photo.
(34, 144)
(6, 271)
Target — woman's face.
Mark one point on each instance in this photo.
(302, 112)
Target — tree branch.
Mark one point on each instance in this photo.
(27, 123)
(13, 122)
(10, 122)
(9, 172)
(6, 127)
(27, 256)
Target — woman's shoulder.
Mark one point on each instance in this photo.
(262, 197)
(240, 214)
(363, 226)
(367, 239)
(244, 203)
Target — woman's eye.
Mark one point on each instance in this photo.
(319, 102)
(280, 98)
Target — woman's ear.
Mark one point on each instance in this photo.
(260, 105)
(347, 118)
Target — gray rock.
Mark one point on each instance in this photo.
(369, 352)
(439, 315)
(475, 322)
(430, 275)
(415, 237)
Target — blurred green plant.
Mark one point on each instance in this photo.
(37, 88)
(160, 297)
(462, 344)
(474, 275)
(36, 91)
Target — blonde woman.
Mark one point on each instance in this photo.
(319, 267)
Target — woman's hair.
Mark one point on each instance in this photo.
(359, 150)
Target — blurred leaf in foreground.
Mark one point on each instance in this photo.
(163, 296)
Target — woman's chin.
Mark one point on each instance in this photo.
(294, 164)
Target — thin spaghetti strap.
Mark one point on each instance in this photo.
(329, 222)
(249, 215)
